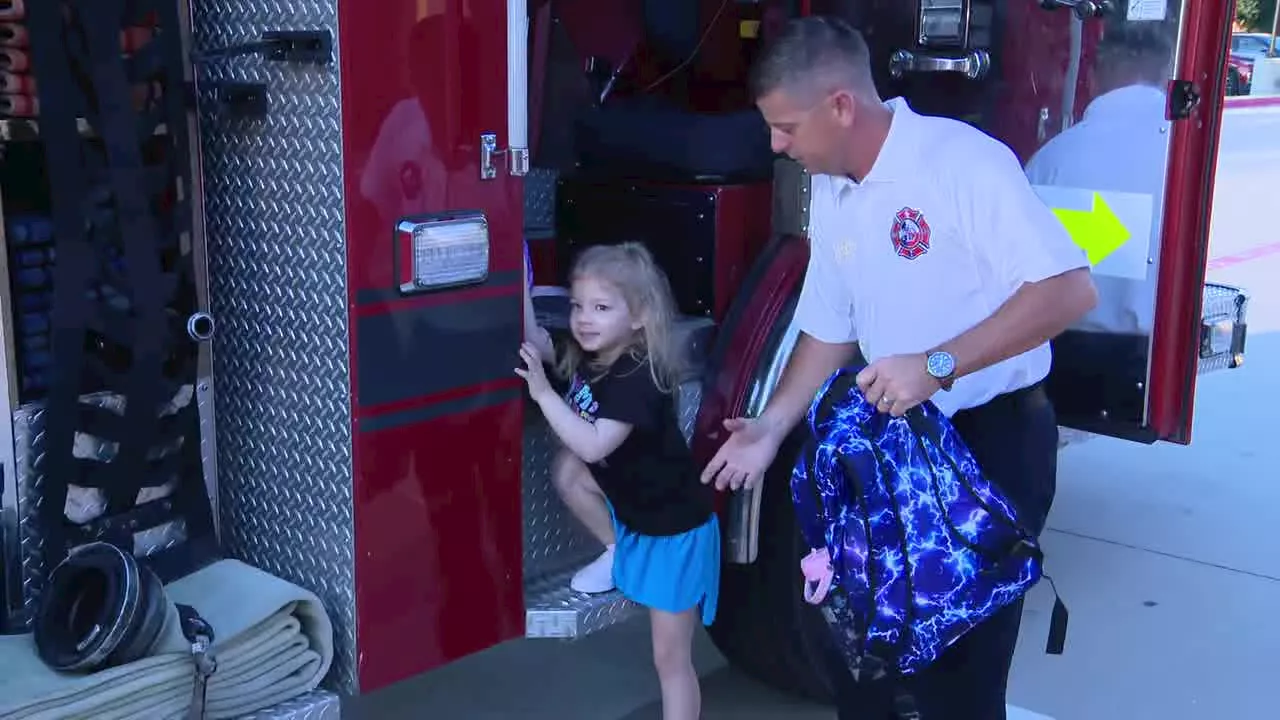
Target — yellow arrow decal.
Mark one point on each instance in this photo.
(1097, 230)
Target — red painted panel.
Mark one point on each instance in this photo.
(437, 514)
(438, 542)
(417, 94)
(738, 355)
(743, 227)
(1193, 159)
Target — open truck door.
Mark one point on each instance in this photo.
(1135, 190)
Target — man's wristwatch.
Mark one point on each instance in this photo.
(942, 366)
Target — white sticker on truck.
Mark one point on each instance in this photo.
(1147, 10)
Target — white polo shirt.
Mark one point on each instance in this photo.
(942, 231)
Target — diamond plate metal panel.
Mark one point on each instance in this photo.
(316, 705)
(553, 539)
(277, 284)
(688, 398)
(82, 504)
(540, 199)
(26, 451)
(555, 611)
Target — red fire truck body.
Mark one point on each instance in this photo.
(364, 429)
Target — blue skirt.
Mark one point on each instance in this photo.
(672, 573)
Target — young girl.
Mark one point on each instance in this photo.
(617, 422)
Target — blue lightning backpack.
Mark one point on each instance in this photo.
(911, 545)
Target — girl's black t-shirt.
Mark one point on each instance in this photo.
(651, 479)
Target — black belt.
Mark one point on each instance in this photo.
(1031, 397)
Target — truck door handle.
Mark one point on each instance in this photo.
(973, 64)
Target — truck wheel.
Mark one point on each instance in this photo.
(763, 625)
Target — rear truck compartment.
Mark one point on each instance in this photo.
(297, 258)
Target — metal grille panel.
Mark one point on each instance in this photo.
(277, 266)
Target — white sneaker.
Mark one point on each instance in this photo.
(596, 577)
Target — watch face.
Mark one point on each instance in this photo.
(941, 364)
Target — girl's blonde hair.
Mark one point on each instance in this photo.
(630, 268)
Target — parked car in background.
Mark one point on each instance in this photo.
(1246, 48)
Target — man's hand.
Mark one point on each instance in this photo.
(743, 459)
(898, 383)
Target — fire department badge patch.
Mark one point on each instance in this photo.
(910, 233)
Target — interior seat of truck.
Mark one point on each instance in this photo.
(612, 114)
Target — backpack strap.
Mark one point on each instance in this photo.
(1058, 619)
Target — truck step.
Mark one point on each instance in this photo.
(552, 610)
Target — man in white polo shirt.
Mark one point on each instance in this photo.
(932, 255)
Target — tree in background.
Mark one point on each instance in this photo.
(1255, 15)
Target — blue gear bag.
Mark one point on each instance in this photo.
(911, 545)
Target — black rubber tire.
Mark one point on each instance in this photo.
(763, 625)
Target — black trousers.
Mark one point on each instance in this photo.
(1015, 440)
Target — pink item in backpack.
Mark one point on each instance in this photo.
(818, 575)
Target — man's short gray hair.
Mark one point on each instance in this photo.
(811, 51)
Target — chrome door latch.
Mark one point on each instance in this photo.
(517, 158)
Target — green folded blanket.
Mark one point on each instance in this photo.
(274, 642)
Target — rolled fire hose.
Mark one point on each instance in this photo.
(102, 608)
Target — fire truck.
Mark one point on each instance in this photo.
(298, 229)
